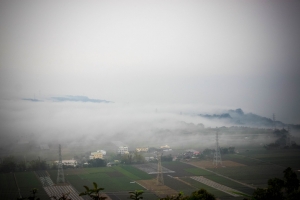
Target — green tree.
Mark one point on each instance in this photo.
(167, 158)
(179, 196)
(63, 197)
(136, 195)
(201, 195)
(291, 181)
(94, 193)
(8, 164)
(32, 195)
(38, 164)
(97, 162)
(127, 158)
(287, 189)
(138, 158)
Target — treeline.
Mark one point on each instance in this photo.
(279, 189)
(132, 158)
(223, 150)
(283, 141)
(10, 164)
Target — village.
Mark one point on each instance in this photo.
(125, 155)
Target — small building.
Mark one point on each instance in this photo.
(165, 147)
(151, 158)
(191, 153)
(142, 149)
(102, 151)
(115, 162)
(123, 150)
(68, 162)
(96, 154)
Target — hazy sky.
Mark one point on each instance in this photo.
(233, 54)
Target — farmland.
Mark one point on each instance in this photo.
(242, 172)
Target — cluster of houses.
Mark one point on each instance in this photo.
(123, 149)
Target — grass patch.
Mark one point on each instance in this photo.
(126, 173)
(27, 181)
(141, 174)
(8, 187)
(197, 185)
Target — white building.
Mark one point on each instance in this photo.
(142, 149)
(68, 162)
(165, 147)
(123, 150)
(102, 151)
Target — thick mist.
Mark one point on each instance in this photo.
(86, 125)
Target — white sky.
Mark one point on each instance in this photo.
(237, 54)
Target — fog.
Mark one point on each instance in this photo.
(94, 125)
(149, 68)
(237, 54)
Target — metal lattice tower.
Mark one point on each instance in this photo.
(60, 172)
(217, 155)
(160, 178)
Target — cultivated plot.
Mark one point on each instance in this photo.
(151, 168)
(209, 164)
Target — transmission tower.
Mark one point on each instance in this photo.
(217, 155)
(60, 172)
(160, 178)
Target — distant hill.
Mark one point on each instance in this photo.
(79, 99)
(68, 98)
(238, 117)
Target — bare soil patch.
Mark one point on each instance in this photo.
(209, 164)
(159, 190)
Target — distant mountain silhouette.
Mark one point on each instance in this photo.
(33, 100)
(79, 99)
(238, 117)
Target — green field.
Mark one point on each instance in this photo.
(25, 181)
(113, 179)
(260, 166)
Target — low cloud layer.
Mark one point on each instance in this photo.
(78, 124)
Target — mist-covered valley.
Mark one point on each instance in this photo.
(84, 126)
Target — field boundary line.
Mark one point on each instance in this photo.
(17, 186)
(245, 184)
(141, 185)
(270, 163)
(216, 185)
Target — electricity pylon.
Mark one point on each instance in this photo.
(60, 172)
(217, 155)
(160, 178)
